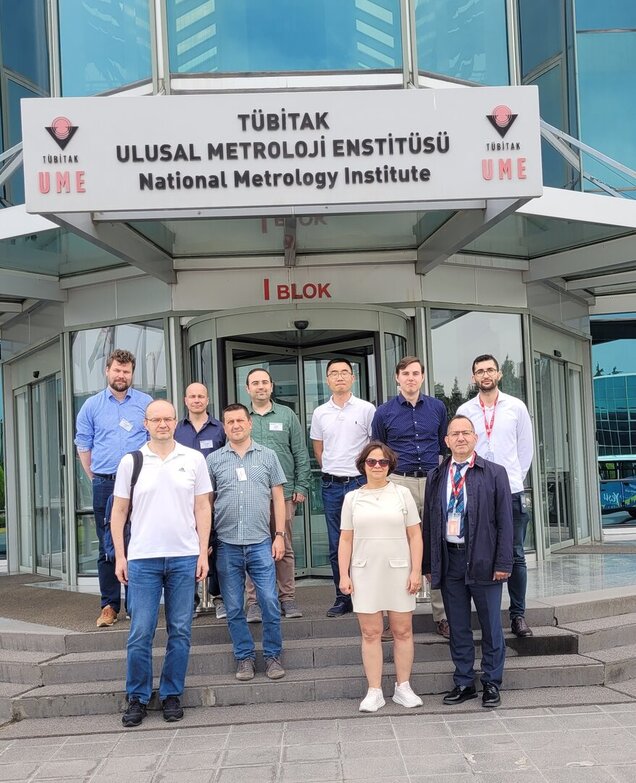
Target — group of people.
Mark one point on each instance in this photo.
(383, 473)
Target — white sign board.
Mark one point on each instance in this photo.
(245, 151)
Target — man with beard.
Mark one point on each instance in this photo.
(109, 425)
(414, 426)
(504, 436)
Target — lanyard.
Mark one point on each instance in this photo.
(457, 488)
(488, 425)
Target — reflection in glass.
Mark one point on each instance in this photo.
(104, 44)
(542, 31)
(24, 469)
(606, 66)
(606, 15)
(463, 40)
(394, 350)
(283, 35)
(90, 349)
(23, 33)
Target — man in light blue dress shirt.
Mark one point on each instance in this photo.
(109, 425)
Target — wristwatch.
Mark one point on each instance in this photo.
(280, 533)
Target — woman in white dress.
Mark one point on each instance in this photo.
(380, 559)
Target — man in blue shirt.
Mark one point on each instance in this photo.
(414, 426)
(247, 480)
(201, 432)
(109, 425)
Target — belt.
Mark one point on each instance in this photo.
(411, 474)
(108, 476)
(338, 479)
(453, 545)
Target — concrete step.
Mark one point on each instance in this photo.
(299, 654)
(620, 663)
(576, 607)
(20, 666)
(300, 685)
(604, 632)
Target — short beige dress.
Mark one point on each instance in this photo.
(381, 558)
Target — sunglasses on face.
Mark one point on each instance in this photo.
(383, 463)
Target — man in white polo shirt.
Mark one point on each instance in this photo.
(339, 431)
(168, 549)
(504, 432)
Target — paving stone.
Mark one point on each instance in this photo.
(172, 762)
(193, 776)
(265, 774)
(316, 752)
(505, 761)
(489, 743)
(440, 766)
(27, 752)
(314, 772)
(420, 730)
(357, 750)
(85, 750)
(198, 742)
(129, 764)
(18, 771)
(563, 757)
(578, 775)
(310, 737)
(267, 738)
(131, 746)
(69, 768)
(365, 768)
(476, 728)
(428, 746)
(623, 774)
(257, 755)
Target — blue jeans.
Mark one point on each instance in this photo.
(518, 580)
(332, 499)
(146, 579)
(233, 561)
(109, 585)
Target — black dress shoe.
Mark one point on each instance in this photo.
(460, 693)
(490, 696)
(341, 606)
(520, 627)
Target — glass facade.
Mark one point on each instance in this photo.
(90, 348)
(615, 406)
(467, 41)
(262, 36)
(104, 45)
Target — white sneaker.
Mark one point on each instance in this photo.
(404, 695)
(372, 701)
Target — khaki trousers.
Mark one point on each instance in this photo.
(285, 567)
(416, 487)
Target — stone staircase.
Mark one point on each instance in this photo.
(584, 642)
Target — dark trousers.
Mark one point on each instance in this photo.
(518, 581)
(457, 594)
(333, 493)
(109, 585)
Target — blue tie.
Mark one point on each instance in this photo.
(457, 504)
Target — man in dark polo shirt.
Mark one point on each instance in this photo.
(414, 426)
(202, 432)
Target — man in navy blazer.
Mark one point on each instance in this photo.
(468, 554)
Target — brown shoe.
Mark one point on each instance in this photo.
(107, 618)
(443, 629)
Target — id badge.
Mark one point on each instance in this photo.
(453, 525)
(206, 444)
(241, 475)
(125, 424)
(489, 456)
(276, 426)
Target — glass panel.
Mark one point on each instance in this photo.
(283, 35)
(610, 14)
(24, 40)
(527, 237)
(25, 473)
(284, 372)
(552, 106)
(48, 483)
(314, 233)
(201, 365)
(463, 40)
(457, 337)
(577, 454)
(394, 350)
(542, 32)
(13, 123)
(90, 349)
(606, 64)
(552, 451)
(104, 44)
(316, 393)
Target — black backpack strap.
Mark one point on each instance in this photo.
(138, 461)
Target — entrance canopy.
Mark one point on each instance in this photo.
(119, 186)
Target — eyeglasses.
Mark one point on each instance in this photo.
(461, 434)
(383, 463)
(339, 374)
(160, 419)
(487, 371)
